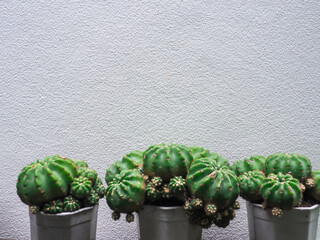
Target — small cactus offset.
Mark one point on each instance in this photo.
(53, 207)
(70, 204)
(43, 181)
(313, 185)
(34, 209)
(281, 191)
(177, 185)
(253, 163)
(80, 187)
(167, 161)
(199, 152)
(125, 194)
(91, 199)
(89, 173)
(250, 184)
(132, 160)
(297, 165)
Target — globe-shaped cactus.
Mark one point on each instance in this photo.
(281, 191)
(53, 207)
(199, 152)
(167, 161)
(212, 183)
(313, 184)
(132, 160)
(70, 204)
(297, 165)
(43, 181)
(250, 184)
(253, 163)
(80, 187)
(126, 193)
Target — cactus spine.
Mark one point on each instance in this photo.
(253, 163)
(250, 184)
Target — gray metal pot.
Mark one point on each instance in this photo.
(297, 224)
(166, 223)
(78, 225)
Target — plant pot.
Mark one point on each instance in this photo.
(78, 225)
(166, 223)
(297, 224)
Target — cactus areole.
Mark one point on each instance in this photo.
(213, 183)
(43, 181)
(167, 161)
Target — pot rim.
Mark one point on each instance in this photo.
(68, 213)
(162, 207)
(297, 208)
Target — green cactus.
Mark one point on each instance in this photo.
(165, 191)
(80, 164)
(218, 159)
(152, 192)
(100, 189)
(34, 209)
(129, 217)
(53, 207)
(115, 216)
(281, 191)
(89, 173)
(43, 181)
(80, 187)
(250, 184)
(199, 152)
(167, 161)
(212, 183)
(313, 184)
(177, 185)
(70, 204)
(132, 160)
(253, 163)
(210, 209)
(297, 165)
(126, 193)
(91, 199)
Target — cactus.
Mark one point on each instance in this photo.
(91, 199)
(281, 191)
(125, 194)
(213, 183)
(152, 192)
(313, 184)
(297, 165)
(80, 164)
(250, 184)
(132, 160)
(89, 173)
(167, 161)
(218, 159)
(199, 152)
(34, 209)
(165, 191)
(253, 163)
(177, 185)
(115, 216)
(53, 207)
(43, 181)
(80, 187)
(70, 204)
(129, 217)
(100, 190)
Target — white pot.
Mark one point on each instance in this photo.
(297, 224)
(77, 225)
(166, 223)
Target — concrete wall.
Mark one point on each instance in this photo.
(94, 80)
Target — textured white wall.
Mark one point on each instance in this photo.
(96, 79)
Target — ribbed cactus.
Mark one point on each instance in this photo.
(91, 199)
(167, 161)
(89, 173)
(212, 183)
(70, 204)
(281, 191)
(250, 184)
(125, 194)
(80, 187)
(177, 185)
(253, 163)
(53, 207)
(43, 181)
(313, 184)
(132, 160)
(297, 165)
(218, 159)
(199, 152)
